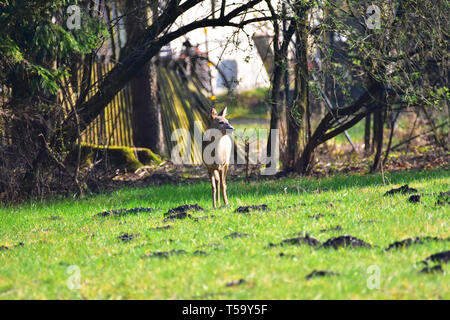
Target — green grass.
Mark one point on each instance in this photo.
(111, 269)
(356, 133)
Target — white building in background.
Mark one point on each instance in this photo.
(232, 50)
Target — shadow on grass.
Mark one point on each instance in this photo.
(342, 182)
(183, 193)
(170, 195)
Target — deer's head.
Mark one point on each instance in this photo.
(219, 121)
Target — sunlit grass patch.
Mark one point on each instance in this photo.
(65, 235)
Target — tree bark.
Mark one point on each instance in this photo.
(379, 119)
(367, 134)
(280, 65)
(146, 111)
(391, 135)
(374, 134)
(300, 104)
(274, 99)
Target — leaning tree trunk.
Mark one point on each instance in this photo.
(146, 111)
(322, 133)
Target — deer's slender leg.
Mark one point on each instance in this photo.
(217, 178)
(213, 186)
(223, 181)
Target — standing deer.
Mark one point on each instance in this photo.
(217, 159)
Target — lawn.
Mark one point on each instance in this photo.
(64, 238)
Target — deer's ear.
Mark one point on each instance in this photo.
(213, 113)
(223, 113)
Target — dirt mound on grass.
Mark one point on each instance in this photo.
(164, 254)
(320, 273)
(200, 253)
(181, 212)
(335, 228)
(443, 257)
(237, 235)
(161, 228)
(307, 239)
(123, 212)
(4, 247)
(167, 254)
(345, 242)
(410, 241)
(415, 198)
(184, 208)
(126, 237)
(443, 198)
(248, 209)
(435, 269)
(403, 190)
(236, 283)
(177, 216)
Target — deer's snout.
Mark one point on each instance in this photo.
(229, 127)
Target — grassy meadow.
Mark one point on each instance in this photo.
(62, 250)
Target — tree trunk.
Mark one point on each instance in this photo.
(146, 112)
(391, 135)
(378, 119)
(280, 65)
(300, 103)
(274, 99)
(367, 134)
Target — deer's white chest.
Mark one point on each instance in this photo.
(224, 147)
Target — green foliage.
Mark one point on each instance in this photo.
(407, 54)
(35, 45)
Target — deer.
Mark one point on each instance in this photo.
(217, 160)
